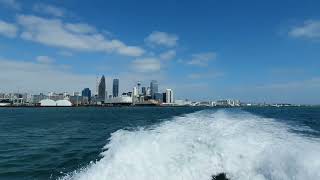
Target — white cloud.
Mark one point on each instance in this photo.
(49, 9)
(310, 29)
(146, 65)
(205, 75)
(162, 38)
(80, 28)
(11, 4)
(168, 55)
(54, 32)
(37, 77)
(8, 30)
(44, 59)
(202, 59)
(65, 53)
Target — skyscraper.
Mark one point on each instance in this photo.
(102, 89)
(169, 96)
(115, 88)
(135, 92)
(144, 91)
(86, 92)
(164, 97)
(153, 88)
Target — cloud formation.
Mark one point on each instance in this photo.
(162, 38)
(11, 4)
(82, 37)
(310, 30)
(44, 59)
(48, 9)
(37, 77)
(202, 59)
(8, 30)
(146, 65)
(168, 55)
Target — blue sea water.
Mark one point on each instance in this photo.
(159, 143)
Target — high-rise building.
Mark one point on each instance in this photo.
(138, 85)
(115, 88)
(169, 96)
(144, 91)
(148, 92)
(86, 92)
(153, 88)
(102, 89)
(135, 92)
(164, 97)
(158, 97)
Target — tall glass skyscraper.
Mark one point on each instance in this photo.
(153, 88)
(102, 89)
(115, 88)
(86, 93)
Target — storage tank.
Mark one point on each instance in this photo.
(48, 102)
(64, 103)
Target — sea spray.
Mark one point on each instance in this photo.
(202, 144)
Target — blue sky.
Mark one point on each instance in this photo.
(248, 50)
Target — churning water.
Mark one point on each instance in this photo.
(167, 144)
(198, 145)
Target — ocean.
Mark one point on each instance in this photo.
(160, 143)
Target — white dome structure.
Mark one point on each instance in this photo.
(63, 103)
(48, 102)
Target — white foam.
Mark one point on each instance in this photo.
(201, 144)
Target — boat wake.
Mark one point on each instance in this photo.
(204, 144)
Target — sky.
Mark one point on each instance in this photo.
(255, 51)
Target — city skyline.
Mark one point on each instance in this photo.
(259, 51)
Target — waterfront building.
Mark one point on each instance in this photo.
(222, 102)
(76, 93)
(115, 88)
(135, 92)
(56, 96)
(138, 85)
(158, 97)
(232, 102)
(102, 89)
(148, 92)
(5, 102)
(50, 94)
(81, 100)
(144, 91)
(182, 102)
(35, 99)
(65, 94)
(120, 100)
(164, 97)
(153, 88)
(127, 94)
(169, 96)
(86, 92)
